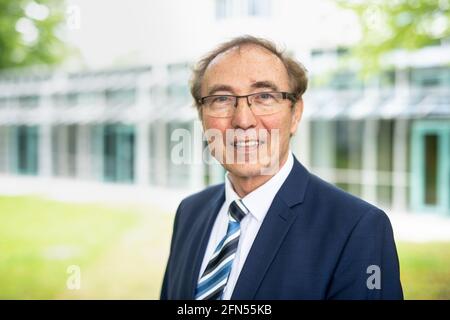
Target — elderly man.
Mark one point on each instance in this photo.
(272, 230)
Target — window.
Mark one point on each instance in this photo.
(179, 171)
(178, 94)
(89, 98)
(385, 145)
(123, 97)
(349, 144)
(259, 8)
(118, 153)
(3, 102)
(71, 99)
(430, 77)
(64, 141)
(224, 9)
(252, 8)
(322, 144)
(431, 163)
(25, 144)
(349, 152)
(158, 95)
(177, 89)
(29, 101)
(345, 80)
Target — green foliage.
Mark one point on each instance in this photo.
(388, 25)
(29, 32)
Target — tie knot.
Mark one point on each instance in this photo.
(238, 210)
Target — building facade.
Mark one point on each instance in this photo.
(387, 140)
(389, 143)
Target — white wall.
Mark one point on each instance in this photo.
(166, 31)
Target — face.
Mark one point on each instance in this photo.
(249, 145)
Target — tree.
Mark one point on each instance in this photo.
(29, 32)
(389, 25)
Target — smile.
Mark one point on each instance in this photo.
(247, 143)
(251, 143)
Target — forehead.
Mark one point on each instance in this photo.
(239, 67)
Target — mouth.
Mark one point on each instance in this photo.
(247, 144)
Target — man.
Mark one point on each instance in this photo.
(272, 230)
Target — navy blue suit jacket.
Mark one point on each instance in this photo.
(316, 242)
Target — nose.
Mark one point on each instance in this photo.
(243, 116)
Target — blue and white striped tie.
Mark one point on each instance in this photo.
(214, 279)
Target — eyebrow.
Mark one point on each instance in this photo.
(255, 85)
(220, 87)
(264, 85)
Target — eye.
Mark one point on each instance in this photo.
(221, 99)
(264, 96)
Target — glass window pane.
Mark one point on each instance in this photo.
(431, 163)
(223, 9)
(259, 8)
(27, 140)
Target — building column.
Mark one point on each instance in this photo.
(161, 156)
(45, 150)
(13, 163)
(142, 133)
(400, 165)
(4, 149)
(402, 86)
(97, 151)
(301, 145)
(142, 161)
(83, 148)
(62, 156)
(369, 161)
(324, 149)
(197, 168)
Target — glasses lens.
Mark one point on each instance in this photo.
(261, 103)
(219, 106)
(264, 103)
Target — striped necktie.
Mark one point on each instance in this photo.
(214, 279)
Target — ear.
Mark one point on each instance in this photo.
(296, 115)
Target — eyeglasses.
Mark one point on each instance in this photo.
(261, 103)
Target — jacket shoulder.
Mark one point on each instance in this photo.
(196, 202)
(342, 205)
(203, 195)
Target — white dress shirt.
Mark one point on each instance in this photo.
(258, 202)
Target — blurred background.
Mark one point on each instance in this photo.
(92, 91)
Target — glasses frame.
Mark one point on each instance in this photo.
(285, 96)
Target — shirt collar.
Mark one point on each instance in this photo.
(259, 200)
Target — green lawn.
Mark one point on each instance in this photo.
(40, 239)
(425, 270)
(122, 251)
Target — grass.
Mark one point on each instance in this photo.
(122, 251)
(425, 270)
(40, 239)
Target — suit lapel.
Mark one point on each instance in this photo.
(209, 213)
(273, 230)
(264, 248)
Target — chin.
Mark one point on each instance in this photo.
(245, 170)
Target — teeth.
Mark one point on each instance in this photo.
(246, 143)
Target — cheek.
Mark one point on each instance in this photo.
(281, 122)
(214, 125)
